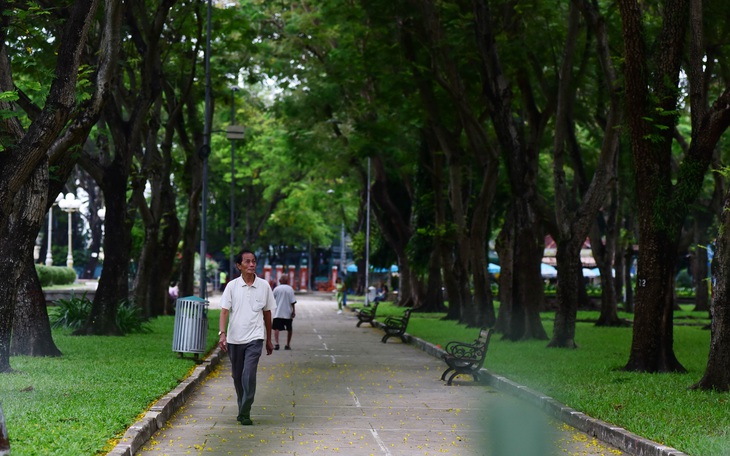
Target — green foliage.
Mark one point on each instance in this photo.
(55, 275)
(70, 313)
(683, 280)
(130, 318)
(74, 312)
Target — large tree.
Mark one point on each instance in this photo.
(24, 183)
(652, 67)
(123, 132)
(708, 58)
(575, 218)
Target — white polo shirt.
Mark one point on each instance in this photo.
(246, 305)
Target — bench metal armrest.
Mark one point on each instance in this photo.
(461, 351)
(394, 321)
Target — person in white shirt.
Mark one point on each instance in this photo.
(248, 300)
(285, 313)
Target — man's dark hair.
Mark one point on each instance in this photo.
(239, 256)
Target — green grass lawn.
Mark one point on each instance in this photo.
(660, 407)
(79, 403)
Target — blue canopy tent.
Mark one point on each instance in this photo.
(393, 269)
(547, 271)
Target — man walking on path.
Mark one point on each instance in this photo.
(285, 313)
(249, 302)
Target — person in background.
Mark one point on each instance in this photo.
(339, 294)
(222, 276)
(173, 292)
(382, 294)
(248, 301)
(285, 313)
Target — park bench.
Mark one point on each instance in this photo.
(367, 314)
(465, 358)
(396, 326)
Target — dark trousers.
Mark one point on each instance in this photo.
(244, 363)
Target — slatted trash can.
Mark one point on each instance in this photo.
(370, 297)
(191, 326)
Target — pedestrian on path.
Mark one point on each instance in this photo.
(285, 313)
(248, 300)
(340, 294)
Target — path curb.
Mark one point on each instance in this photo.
(161, 411)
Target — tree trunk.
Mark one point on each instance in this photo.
(717, 372)
(190, 233)
(483, 314)
(113, 284)
(504, 247)
(570, 274)
(433, 298)
(652, 345)
(31, 327)
(603, 254)
(653, 338)
(16, 249)
(146, 291)
(527, 285)
(4, 438)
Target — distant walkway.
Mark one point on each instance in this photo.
(340, 390)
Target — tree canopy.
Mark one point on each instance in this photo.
(469, 126)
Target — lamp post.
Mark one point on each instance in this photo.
(367, 240)
(49, 255)
(343, 255)
(233, 133)
(343, 258)
(70, 204)
(204, 153)
(98, 256)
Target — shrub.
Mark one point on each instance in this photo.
(72, 313)
(55, 275)
(130, 318)
(44, 275)
(684, 280)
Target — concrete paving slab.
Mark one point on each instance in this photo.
(341, 391)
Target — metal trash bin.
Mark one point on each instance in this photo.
(191, 326)
(370, 296)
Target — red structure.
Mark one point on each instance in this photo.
(303, 278)
(292, 272)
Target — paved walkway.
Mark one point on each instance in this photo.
(340, 390)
